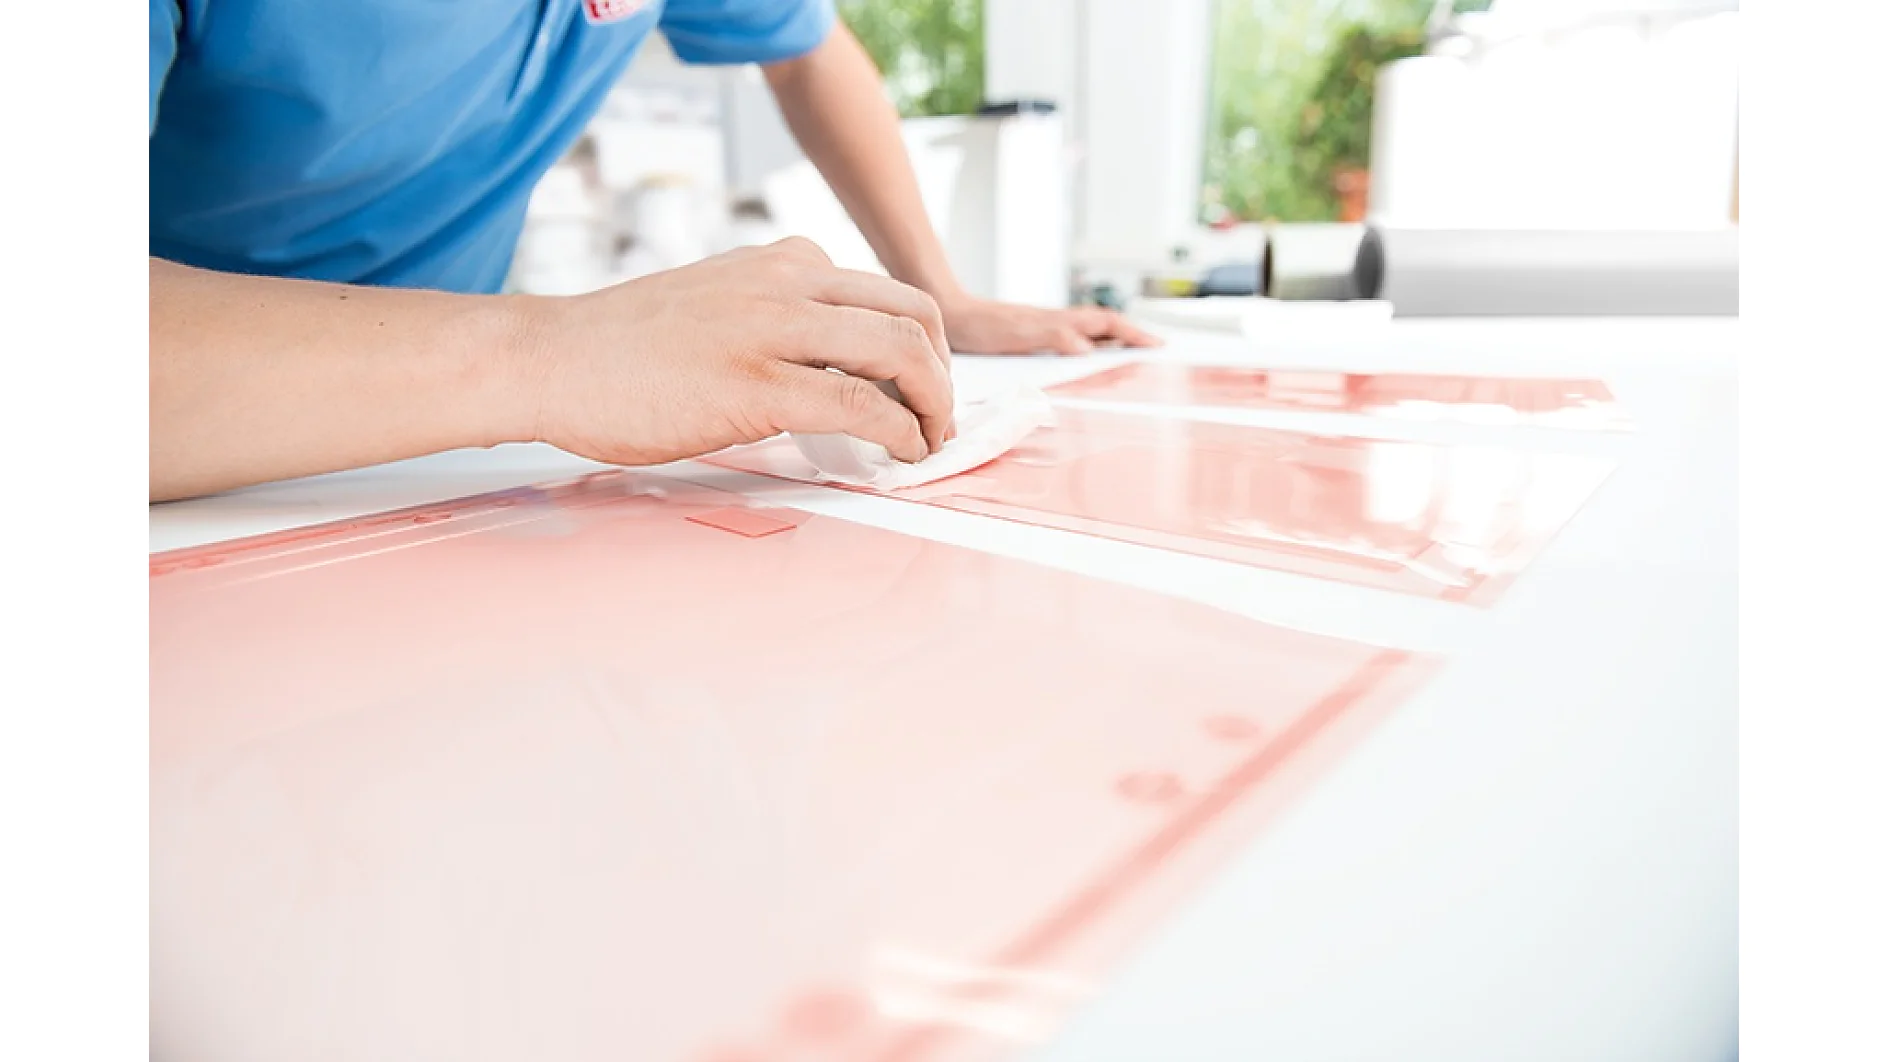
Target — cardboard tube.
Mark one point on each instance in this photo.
(1312, 262)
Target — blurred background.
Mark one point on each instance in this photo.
(1108, 150)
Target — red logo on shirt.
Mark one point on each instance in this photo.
(598, 11)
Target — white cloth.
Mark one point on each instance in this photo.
(986, 430)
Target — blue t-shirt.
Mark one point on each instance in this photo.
(396, 142)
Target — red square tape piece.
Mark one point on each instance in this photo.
(752, 523)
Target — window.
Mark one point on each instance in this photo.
(1288, 133)
(930, 51)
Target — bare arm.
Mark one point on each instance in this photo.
(835, 105)
(833, 102)
(256, 379)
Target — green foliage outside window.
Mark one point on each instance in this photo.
(1291, 87)
(1290, 93)
(930, 51)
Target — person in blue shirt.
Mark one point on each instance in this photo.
(337, 189)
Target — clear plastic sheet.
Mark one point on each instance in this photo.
(1578, 404)
(1450, 522)
(629, 768)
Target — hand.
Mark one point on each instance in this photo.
(734, 349)
(985, 327)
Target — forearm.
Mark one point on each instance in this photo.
(256, 379)
(834, 104)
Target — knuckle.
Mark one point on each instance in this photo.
(928, 309)
(856, 398)
(801, 247)
(795, 324)
(912, 336)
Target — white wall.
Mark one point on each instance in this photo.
(1144, 93)
(1131, 78)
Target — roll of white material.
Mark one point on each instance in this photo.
(1420, 143)
(1605, 126)
(986, 430)
(1444, 273)
(1508, 272)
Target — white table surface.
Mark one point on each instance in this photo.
(1533, 858)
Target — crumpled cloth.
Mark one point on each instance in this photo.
(986, 430)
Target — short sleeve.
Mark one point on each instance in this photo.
(745, 31)
(165, 17)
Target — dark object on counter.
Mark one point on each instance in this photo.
(1004, 108)
(1237, 278)
(1105, 296)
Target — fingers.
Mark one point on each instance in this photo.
(869, 291)
(1065, 339)
(880, 346)
(871, 333)
(1131, 335)
(1073, 331)
(1098, 323)
(820, 402)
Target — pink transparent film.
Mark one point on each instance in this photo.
(1582, 404)
(627, 768)
(1456, 523)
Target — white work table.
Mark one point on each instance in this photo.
(1534, 857)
